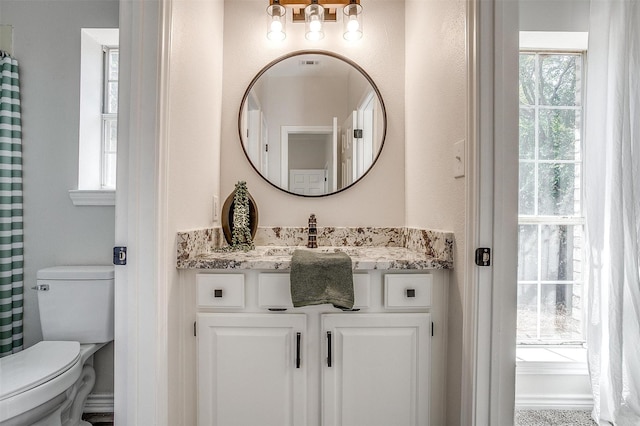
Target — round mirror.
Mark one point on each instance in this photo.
(312, 123)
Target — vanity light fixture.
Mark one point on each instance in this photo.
(314, 13)
(277, 19)
(352, 21)
(313, 20)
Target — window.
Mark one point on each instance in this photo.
(109, 118)
(98, 117)
(550, 218)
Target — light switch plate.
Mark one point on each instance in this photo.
(458, 159)
(216, 208)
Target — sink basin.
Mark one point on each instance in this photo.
(288, 250)
(279, 251)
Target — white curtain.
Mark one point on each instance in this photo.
(612, 165)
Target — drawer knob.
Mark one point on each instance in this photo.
(217, 292)
(411, 292)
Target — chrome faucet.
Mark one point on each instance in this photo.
(313, 232)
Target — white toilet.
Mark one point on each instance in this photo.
(47, 384)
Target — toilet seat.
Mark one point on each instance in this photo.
(32, 377)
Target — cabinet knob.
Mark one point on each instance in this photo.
(217, 292)
(411, 292)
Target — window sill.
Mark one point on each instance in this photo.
(551, 360)
(92, 197)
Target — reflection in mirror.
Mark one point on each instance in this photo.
(312, 123)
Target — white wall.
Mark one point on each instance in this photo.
(46, 41)
(324, 92)
(195, 109)
(380, 53)
(435, 108)
(554, 15)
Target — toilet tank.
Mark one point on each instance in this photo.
(76, 303)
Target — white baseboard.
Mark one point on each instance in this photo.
(99, 403)
(550, 401)
(553, 386)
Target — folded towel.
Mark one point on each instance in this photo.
(318, 278)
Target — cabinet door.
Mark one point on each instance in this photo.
(376, 370)
(251, 369)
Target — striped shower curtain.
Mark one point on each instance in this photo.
(11, 242)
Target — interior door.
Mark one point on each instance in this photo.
(264, 146)
(308, 181)
(254, 134)
(366, 114)
(333, 170)
(348, 150)
(376, 371)
(139, 363)
(251, 369)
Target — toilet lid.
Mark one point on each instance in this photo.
(36, 365)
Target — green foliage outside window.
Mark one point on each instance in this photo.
(550, 231)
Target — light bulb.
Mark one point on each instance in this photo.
(315, 25)
(276, 35)
(276, 22)
(352, 20)
(313, 17)
(314, 35)
(276, 25)
(353, 24)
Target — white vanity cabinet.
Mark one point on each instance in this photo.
(250, 370)
(377, 369)
(262, 362)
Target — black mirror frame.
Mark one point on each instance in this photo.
(315, 52)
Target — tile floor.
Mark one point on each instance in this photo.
(553, 418)
(99, 419)
(523, 418)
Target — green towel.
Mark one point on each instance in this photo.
(318, 278)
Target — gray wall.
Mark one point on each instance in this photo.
(46, 43)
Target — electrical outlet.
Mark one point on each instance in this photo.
(458, 159)
(216, 208)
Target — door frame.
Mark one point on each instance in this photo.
(141, 223)
(488, 370)
(285, 131)
(489, 324)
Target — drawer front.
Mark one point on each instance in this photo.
(274, 291)
(220, 290)
(407, 291)
(361, 291)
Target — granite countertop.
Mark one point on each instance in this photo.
(279, 257)
(369, 248)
